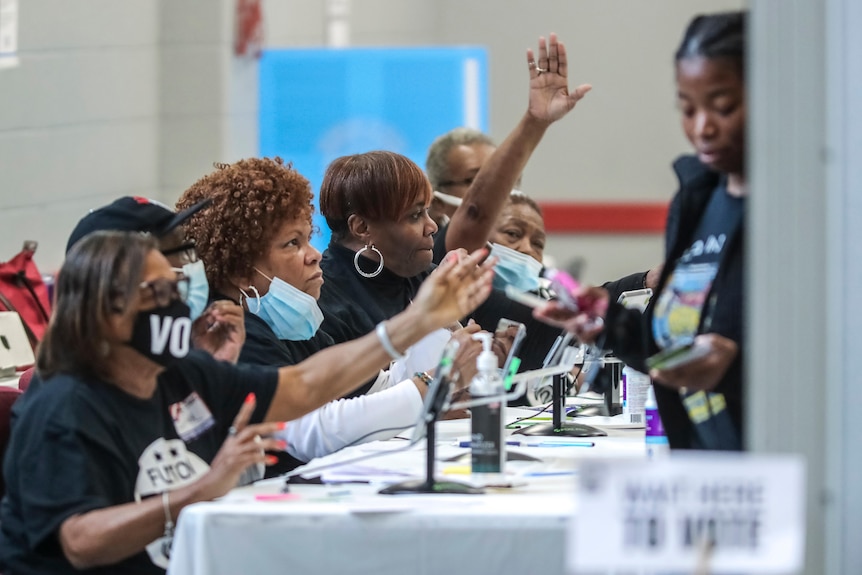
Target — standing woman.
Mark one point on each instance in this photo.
(700, 294)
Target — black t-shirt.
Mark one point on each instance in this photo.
(80, 444)
(439, 250)
(262, 347)
(353, 305)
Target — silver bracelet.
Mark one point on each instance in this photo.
(383, 336)
(169, 523)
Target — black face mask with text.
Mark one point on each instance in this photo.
(163, 334)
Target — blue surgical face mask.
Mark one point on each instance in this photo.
(199, 288)
(291, 313)
(515, 269)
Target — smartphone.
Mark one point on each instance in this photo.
(526, 298)
(515, 331)
(635, 299)
(676, 356)
(565, 287)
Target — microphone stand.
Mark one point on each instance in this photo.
(429, 484)
(558, 426)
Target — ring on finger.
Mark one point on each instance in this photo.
(540, 70)
(232, 431)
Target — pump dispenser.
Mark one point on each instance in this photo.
(486, 440)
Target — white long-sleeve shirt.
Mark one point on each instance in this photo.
(391, 405)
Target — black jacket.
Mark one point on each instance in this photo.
(629, 333)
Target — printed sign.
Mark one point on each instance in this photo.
(698, 512)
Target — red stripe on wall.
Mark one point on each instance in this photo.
(604, 218)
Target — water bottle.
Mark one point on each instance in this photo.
(656, 440)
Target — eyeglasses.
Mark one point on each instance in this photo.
(187, 253)
(165, 291)
(467, 182)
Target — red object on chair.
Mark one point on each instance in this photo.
(24, 380)
(8, 396)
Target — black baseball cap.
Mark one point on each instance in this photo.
(133, 214)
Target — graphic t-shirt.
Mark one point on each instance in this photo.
(81, 444)
(678, 309)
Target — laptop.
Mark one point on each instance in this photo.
(15, 350)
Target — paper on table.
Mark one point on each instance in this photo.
(364, 473)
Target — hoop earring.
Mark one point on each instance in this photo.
(376, 272)
(247, 298)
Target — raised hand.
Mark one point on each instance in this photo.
(584, 323)
(550, 98)
(455, 288)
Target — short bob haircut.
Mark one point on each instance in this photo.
(251, 200)
(100, 277)
(377, 186)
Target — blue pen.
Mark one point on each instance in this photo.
(541, 444)
(513, 443)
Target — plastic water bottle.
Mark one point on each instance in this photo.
(656, 440)
(635, 389)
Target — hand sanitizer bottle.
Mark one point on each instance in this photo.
(656, 440)
(486, 439)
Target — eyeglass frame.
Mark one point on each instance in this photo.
(179, 289)
(188, 250)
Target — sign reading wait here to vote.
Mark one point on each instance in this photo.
(695, 512)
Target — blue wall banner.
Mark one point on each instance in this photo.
(319, 104)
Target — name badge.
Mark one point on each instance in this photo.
(191, 417)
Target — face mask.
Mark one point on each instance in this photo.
(292, 314)
(448, 199)
(163, 334)
(199, 288)
(515, 269)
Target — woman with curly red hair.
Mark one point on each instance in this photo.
(254, 238)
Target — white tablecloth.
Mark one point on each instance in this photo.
(329, 529)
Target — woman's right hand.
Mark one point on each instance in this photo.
(246, 445)
(455, 288)
(587, 322)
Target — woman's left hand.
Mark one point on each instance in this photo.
(220, 330)
(550, 99)
(455, 288)
(702, 373)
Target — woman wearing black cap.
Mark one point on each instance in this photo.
(125, 426)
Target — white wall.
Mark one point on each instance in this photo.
(618, 144)
(114, 98)
(142, 96)
(77, 117)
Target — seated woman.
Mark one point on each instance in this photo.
(376, 205)
(125, 426)
(261, 257)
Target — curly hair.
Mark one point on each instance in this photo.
(251, 199)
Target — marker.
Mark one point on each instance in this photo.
(541, 444)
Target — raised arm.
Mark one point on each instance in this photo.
(550, 100)
(451, 292)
